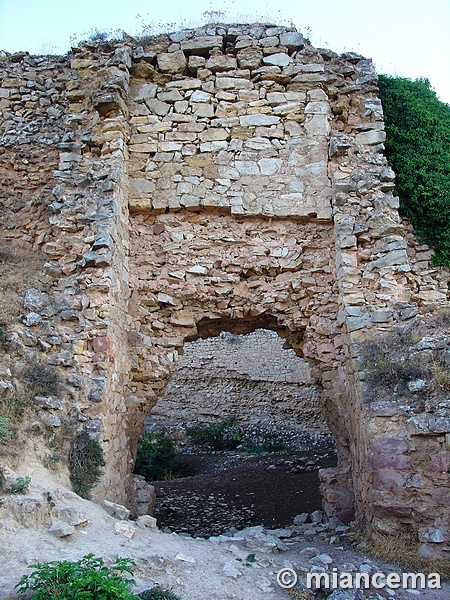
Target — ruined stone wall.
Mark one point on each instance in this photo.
(250, 378)
(222, 179)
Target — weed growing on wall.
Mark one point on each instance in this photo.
(418, 149)
(42, 379)
(85, 464)
(19, 486)
(5, 430)
(18, 269)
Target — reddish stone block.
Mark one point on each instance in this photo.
(388, 478)
(440, 462)
(391, 510)
(100, 344)
(390, 445)
(386, 461)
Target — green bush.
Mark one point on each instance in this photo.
(84, 579)
(418, 149)
(85, 462)
(225, 435)
(5, 430)
(156, 457)
(20, 486)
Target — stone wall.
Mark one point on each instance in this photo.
(223, 179)
(250, 378)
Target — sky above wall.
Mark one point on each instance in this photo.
(407, 38)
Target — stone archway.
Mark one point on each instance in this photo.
(226, 174)
(219, 287)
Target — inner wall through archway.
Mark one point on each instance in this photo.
(258, 384)
(251, 378)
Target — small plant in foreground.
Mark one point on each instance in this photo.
(156, 458)
(85, 462)
(225, 435)
(20, 486)
(86, 578)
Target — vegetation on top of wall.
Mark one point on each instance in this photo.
(418, 149)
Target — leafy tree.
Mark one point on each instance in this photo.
(418, 149)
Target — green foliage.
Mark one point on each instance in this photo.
(5, 430)
(225, 435)
(268, 446)
(20, 486)
(83, 579)
(159, 594)
(156, 457)
(85, 462)
(42, 380)
(418, 149)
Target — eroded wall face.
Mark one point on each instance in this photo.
(220, 180)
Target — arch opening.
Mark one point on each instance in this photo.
(240, 373)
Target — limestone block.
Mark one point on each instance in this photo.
(317, 125)
(35, 300)
(146, 521)
(257, 120)
(370, 137)
(237, 83)
(125, 528)
(292, 40)
(220, 62)
(280, 59)
(202, 43)
(246, 167)
(140, 204)
(249, 58)
(269, 166)
(172, 62)
(61, 530)
(116, 510)
(143, 91)
(69, 514)
(158, 107)
(47, 402)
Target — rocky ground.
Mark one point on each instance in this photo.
(240, 488)
(236, 562)
(241, 565)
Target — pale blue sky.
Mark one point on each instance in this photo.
(410, 38)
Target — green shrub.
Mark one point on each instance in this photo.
(5, 430)
(156, 457)
(20, 486)
(225, 435)
(85, 462)
(418, 149)
(84, 579)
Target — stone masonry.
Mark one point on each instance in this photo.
(229, 178)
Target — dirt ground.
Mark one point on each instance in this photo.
(239, 490)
